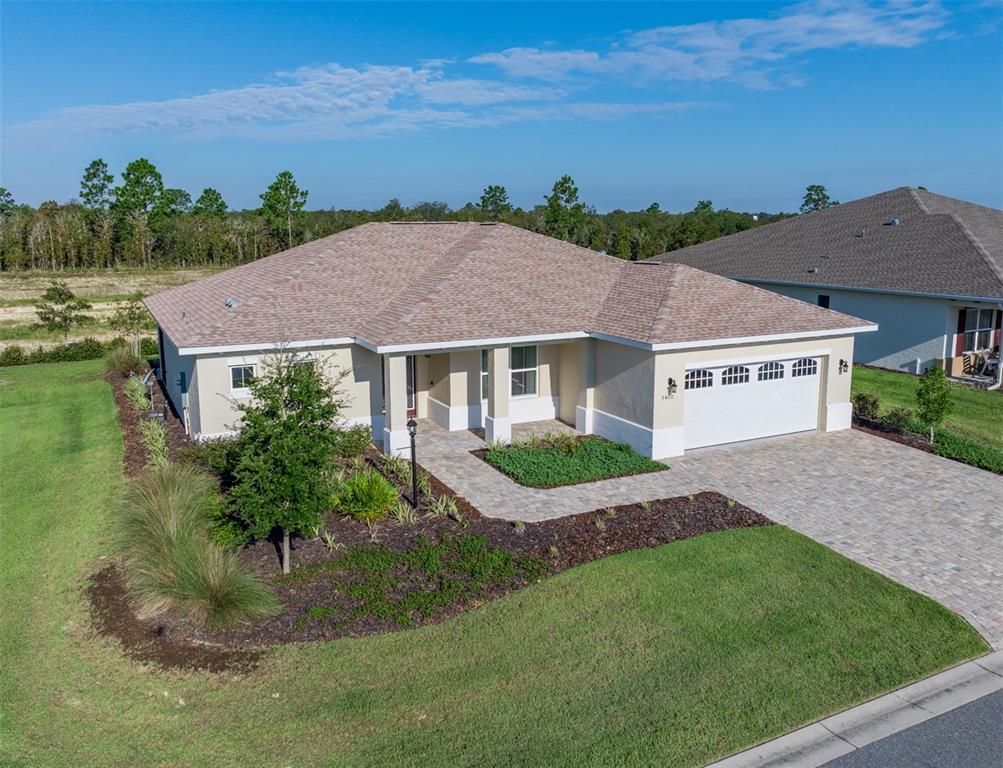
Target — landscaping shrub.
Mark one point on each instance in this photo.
(137, 393)
(898, 419)
(148, 347)
(353, 441)
(170, 563)
(217, 455)
(121, 360)
(366, 496)
(88, 349)
(549, 466)
(154, 436)
(13, 355)
(866, 406)
(951, 445)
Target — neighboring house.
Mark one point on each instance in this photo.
(927, 269)
(486, 324)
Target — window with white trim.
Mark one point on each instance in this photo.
(241, 377)
(770, 372)
(698, 379)
(804, 367)
(736, 374)
(522, 368)
(978, 330)
(484, 374)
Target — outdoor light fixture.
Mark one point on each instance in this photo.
(412, 430)
(672, 387)
(843, 366)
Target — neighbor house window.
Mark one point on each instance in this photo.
(523, 370)
(736, 374)
(804, 367)
(978, 330)
(240, 379)
(698, 379)
(770, 371)
(484, 374)
(823, 300)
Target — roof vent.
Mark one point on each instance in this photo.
(893, 223)
(186, 318)
(230, 303)
(862, 232)
(812, 270)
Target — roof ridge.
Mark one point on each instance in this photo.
(662, 314)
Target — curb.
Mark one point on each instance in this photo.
(816, 744)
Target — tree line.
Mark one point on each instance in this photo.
(141, 222)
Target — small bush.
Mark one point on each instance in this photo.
(217, 455)
(170, 562)
(951, 445)
(866, 406)
(404, 513)
(154, 437)
(73, 352)
(366, 496)
(353, 441)
(13, 355)
(443, 506)
(121, 360)
(135, 390)
(148, 347)
(898, 419)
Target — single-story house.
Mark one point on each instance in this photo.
(927, 269)
(475, 325)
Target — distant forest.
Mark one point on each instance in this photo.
(139, 222)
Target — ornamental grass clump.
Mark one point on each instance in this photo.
(169, 561)
(367, 496)
(154, 437)
(120, 359)
(136, 392)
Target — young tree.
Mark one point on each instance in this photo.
(210, 203)
(816, 197)
(141, 185)
(287, 441)
(564, 214)
(7, 204)
(282, 203)
(934, 398)
(95, 187)
(130, 319)
(494, 201)
(172, 201)
(59, 309)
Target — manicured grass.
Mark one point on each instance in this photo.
(550, 466)
(978, 414)
(669, 656)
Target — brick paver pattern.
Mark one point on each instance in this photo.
(931, 524)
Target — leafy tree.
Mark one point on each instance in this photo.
(7, 204)
(703, 207)
(494, 201)
(564, 214)
(131, 318)
(654, 208)
(816, 197)
(210, 203)
(171, 202)
(141, 185)
(95, 187)
(60, 309)
(287, 441)
(282, 204)
(934, 398)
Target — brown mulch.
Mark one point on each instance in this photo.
(880, 429)
(129, 418)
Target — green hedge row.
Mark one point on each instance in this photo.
(951, 445)
(88, 349)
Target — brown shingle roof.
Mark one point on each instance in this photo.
(940, 246)
(428, 283)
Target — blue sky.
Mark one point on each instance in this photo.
(740, 103)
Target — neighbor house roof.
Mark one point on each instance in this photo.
(393, 284)
(939, 246)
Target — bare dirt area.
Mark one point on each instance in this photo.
(29, 286)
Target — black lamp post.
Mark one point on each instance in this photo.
(412, 429)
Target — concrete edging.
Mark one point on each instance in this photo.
(816, 744)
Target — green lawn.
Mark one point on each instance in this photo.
(978, 414)
(668, 656)
(568, 463)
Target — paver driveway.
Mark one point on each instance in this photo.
(932, 524)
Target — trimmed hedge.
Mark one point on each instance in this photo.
(951, 445)
(88, 349)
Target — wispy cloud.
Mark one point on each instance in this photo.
(749, 51)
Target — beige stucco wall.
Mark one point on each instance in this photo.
(625, 379)
(571, 377)
(362, 387)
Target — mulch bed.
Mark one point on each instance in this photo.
(880, 429)
(129, 418)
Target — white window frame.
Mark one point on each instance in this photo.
(240, 391)
(484, 375)
(535, 370)
(974, 333)
(771, 371)
(734, 375)
(804, 366)
(698, 378)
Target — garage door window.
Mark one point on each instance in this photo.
(736, 374)
(770, 371)
(699, 379)
(804, 367)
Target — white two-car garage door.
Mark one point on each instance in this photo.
(728, 403)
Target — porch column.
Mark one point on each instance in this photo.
(587, 392)
(497, 424)
(395, 437)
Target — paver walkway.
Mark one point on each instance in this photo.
(932, 524)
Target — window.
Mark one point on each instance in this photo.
(804, 367)
(240, 379)
(484, 374)
(770, 371)
(736, 374)
(978, 330)
(823, 300)
(698, 379)
(523, 370)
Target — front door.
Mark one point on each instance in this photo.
(412, 380)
